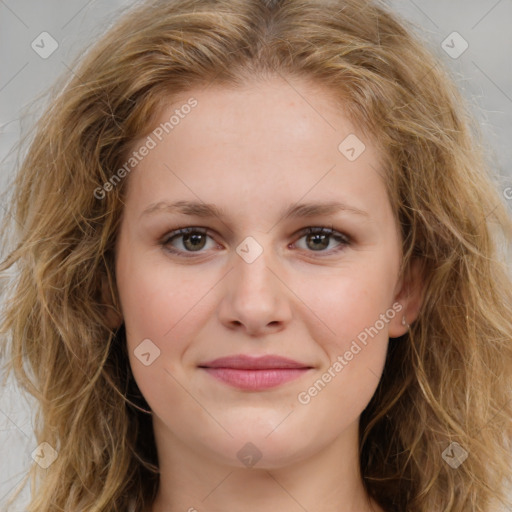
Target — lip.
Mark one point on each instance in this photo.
(245, 362)
(255, 373)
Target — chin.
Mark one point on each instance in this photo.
(259, 450)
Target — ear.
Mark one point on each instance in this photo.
(409, 294)
(113, 316)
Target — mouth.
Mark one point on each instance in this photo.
(255, 373)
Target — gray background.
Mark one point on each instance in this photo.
(483, 73)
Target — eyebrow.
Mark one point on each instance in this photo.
(303, 210)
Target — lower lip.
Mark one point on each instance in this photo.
(255, 380)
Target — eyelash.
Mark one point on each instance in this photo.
(344, 240)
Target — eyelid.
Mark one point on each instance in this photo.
(323, 229)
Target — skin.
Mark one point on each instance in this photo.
(252, 151)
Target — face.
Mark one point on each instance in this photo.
(248, 279)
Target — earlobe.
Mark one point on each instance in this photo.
(410, 297)
(113, 316)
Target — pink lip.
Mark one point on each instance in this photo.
(255, 373)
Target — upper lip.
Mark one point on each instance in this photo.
(244, 362)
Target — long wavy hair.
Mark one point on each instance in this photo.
(448, 380)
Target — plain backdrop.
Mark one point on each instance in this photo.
(28, 67)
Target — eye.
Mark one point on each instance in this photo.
(193, 240)
(319, 238)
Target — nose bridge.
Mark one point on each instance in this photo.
(254, 256)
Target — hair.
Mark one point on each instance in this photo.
(447, 380)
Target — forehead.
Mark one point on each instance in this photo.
(269, 141)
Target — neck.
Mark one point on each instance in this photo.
(326, 481)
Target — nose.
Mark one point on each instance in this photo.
(255, 299)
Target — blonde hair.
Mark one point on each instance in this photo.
(447, 380)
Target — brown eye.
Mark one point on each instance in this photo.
(187, 241)
(194, 241)
(190, 239)
(319, 238)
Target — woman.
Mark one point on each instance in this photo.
(371, 372)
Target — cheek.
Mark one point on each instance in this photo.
(162, 305)
(354, 309)
(157, 302)
(349, 300)
(354, 355)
